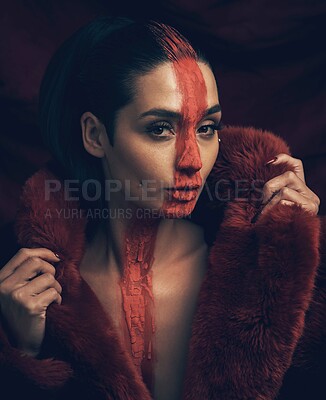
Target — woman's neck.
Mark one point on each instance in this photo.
(107, 249)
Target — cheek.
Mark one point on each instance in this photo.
(139, 162)
(208, 155)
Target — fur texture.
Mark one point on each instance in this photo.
(260, 325)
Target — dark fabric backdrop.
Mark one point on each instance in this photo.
(268, 56)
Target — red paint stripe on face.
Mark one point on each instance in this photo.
(192, 87)
(193, 90)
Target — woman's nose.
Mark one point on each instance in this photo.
(189, 160)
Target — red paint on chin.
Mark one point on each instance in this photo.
(182, 195)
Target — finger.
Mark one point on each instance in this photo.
(287, 202)
(22, 255)
(42, 283)
(295, 163)
(289, 179)
(28, 270)
(48, 297)
(290, 195)
(38, 304)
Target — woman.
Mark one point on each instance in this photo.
(122, 288)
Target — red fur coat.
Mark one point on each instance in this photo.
(259, 330)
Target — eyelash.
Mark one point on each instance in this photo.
(166, 125)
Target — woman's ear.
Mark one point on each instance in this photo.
(94, 134)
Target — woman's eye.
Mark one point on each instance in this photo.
(209, 130)
(160, 130)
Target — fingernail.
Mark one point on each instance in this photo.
(271, 161)
(57, 255)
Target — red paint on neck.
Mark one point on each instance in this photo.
(137, 295)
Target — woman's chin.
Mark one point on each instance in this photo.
(169, 209)
(179, 209)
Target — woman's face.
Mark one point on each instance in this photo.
(163, 143)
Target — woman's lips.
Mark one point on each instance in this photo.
(183, 194)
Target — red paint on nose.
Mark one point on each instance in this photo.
(189, 161)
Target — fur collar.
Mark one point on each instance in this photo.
(251, 306)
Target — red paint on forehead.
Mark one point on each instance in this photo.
(175, 45)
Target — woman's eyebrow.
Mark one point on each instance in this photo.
(212, 110)
(162, 112)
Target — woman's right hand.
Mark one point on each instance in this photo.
(27, 288)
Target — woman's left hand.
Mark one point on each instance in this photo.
(289, 188)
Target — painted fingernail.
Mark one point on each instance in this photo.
(57, 255)
(271, 161)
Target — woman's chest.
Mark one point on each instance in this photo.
(175, 291)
